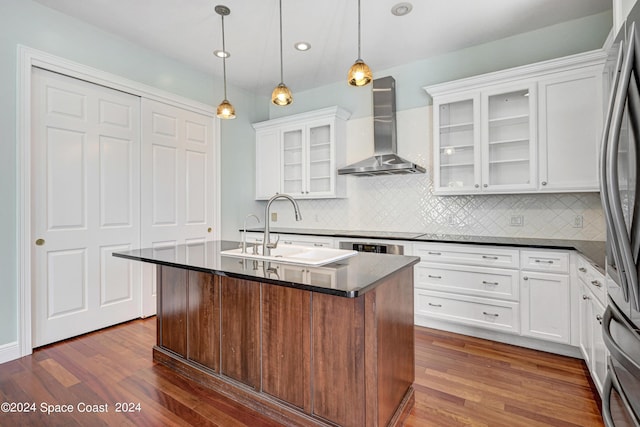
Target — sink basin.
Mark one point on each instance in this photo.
(295, 254)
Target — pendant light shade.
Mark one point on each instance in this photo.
(359, 73)
(281, 94)
(225, 110)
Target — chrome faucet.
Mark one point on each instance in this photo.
(244, 231)
(266, 241)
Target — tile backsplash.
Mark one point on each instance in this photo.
(406, 202)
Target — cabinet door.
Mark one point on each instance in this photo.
(600, 354)
(293, 161)
(570, 126)
(268, 168)
(321, 168)
(546, 311)
(240, 330)
(286, 345)
(457, 144)
(586, 324)
(509, 138)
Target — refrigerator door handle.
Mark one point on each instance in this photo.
(628, 269)
(614, 348)
(612, 382)
(606, 204)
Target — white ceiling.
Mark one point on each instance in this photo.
(189, 31)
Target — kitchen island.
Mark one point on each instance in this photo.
(320, 346)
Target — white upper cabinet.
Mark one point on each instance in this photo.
(509, 138)
(527, 129)
(570, 130)
(457, 138)
(299, 155)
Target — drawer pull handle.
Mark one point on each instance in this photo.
(490, 314)
(596, 283)
(434, 277)
(319, 245)
(484, 282)
(489, 257)
(582, 270)
(541, 261)
(434, 253)
(599, 319)
(435, 305)
(585, 297)
(288, 242)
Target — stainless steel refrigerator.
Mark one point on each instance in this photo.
(619, 185)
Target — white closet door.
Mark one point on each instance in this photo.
(86, 192)
(177, 183)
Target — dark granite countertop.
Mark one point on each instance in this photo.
(352, 276)
(592, 249)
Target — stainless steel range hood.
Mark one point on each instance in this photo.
(384, 161)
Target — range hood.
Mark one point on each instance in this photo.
(384, 161)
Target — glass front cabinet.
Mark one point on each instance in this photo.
(485, 141)
(534, 128)
(299, 155)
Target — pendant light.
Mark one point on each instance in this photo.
(359, 73)
(281, 94)
(225, 109)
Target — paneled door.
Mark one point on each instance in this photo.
(177, 183)
(85, 205)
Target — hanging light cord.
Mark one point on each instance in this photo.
(359, 32)
(281, 63)
(224, 60)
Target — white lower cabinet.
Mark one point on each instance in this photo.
(591, 311)
(473, 311)
(518, 291)
(546, 301)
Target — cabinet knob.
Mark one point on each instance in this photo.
(477, 185)
(599, 319)
(585, 297)
(582, 270)
(596, 283)
(544, 183)
(486, 185)
(209, 230)
(40, 242)
(525, 278)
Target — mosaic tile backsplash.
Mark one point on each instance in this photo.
(406, 203)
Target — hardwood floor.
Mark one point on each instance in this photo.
(460, 381)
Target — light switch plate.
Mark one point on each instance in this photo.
(274, 216)
(516, 221)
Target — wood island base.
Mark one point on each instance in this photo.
(300, 357)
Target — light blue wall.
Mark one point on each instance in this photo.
(555, 41)
(33, 25)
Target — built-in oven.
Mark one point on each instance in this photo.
(375, 247)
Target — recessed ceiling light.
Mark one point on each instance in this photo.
(302, 46)
(221, 53)
(401, 9)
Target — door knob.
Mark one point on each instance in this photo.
(209, 230)
(40, 242)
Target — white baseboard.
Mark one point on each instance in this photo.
(10, 351)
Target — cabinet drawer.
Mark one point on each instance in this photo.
(477, 281)
(480, 312)
(484, 256)
(549, 261)
(592, 278)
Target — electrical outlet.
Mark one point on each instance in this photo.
(516, 221)
(577, 221)
(274, 216)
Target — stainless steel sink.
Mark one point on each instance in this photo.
(295, 254)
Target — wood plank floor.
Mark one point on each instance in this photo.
(460, 381)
